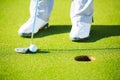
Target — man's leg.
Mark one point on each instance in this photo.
(81, 17)
(43, 14)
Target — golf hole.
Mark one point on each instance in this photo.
(84, 58)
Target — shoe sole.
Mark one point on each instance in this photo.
(77, 39)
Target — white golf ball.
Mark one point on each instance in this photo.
(33, 48)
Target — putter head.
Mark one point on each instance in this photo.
(22, 50)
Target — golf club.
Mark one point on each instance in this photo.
(32, 48)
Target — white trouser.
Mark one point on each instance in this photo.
(44, 9)
(81, 18)
(81, 10)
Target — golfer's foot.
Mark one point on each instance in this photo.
(81, 32)
(26, 29)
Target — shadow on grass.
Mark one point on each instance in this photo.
(42, 51)
(46, 51)
(97, 31)
(103, 31)
(53, 30)
(71, 50)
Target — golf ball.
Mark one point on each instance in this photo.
(33, 48)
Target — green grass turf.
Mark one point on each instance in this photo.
(55, 57)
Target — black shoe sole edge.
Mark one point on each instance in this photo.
(77, 39)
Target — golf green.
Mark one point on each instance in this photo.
(56, 55)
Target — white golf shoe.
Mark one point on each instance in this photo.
(80, 32)
(26, 29)
(44, 9)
